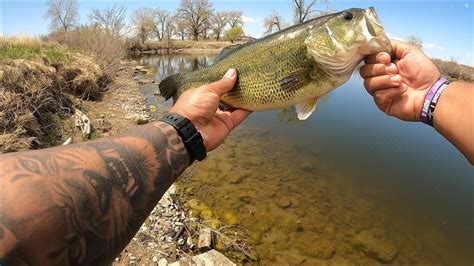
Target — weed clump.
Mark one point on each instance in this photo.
(36, 81)
(31, 97)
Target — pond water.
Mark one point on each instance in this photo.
(347, 186)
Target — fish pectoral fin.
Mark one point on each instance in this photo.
(306, 108)
(292, 80)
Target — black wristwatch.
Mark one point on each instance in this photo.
(191, 137)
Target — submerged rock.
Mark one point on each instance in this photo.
(376, 245)
(283, 203)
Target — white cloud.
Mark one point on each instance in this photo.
(429, 46)
(250, 20)
(432, 46)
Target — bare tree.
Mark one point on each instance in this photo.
(303, 9)
(207, 25)
(416, 41)
(142, 20)
(235, 18)
(110, 19)
(196, 13)
(219, 20)
(181, 28)
(161, 23)
(63, 14)
(273, 21)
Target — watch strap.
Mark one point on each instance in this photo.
(192, 139)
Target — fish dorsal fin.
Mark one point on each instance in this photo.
(306, 108)
(227, 51)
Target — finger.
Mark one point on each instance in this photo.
(382, 57)
(384, 98)
(238, 116)
(232, 118)
(373, 70)
(225, 84)
(382, 82)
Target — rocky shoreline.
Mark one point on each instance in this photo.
(171, 233)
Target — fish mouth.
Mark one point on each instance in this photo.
(377, 40)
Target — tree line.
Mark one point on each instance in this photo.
(193, 19)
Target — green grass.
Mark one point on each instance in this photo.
(20, 51)
(95, 135)
(17, 51)
(53, 133)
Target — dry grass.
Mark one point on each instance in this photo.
(30, 102)
(35, 80)
(454, 71)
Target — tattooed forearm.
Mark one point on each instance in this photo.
(81, 204)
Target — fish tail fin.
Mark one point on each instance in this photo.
(169, 86)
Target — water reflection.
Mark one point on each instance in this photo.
(347, 186)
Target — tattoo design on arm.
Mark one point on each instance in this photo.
(82, 204)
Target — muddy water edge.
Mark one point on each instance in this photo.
(347, 187)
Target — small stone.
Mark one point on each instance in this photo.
(189, 241)
(141, 120)
(154, 259)
(131, 117)
(212, 257)
(162, 262)
(245, 199)
(181, 241)
(205, 239)
(283, 203)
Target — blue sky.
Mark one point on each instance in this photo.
(446, 27)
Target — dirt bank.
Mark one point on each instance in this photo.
(178, 47)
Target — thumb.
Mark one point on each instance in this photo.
(225, 84)
(399, 48)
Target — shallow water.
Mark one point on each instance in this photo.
(348, 186)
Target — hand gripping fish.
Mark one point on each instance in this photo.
(292, 67)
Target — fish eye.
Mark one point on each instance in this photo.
(348, 15)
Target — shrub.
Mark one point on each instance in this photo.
(107, 49)
(454, 71)
(233, 33)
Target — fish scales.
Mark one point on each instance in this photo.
(260, 70)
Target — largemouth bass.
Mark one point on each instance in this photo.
(292, 67)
